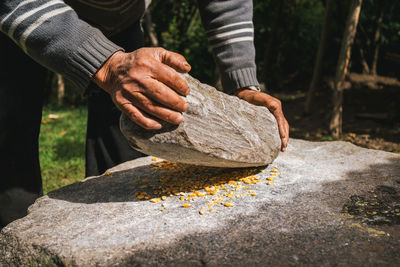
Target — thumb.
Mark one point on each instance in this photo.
(174, 60)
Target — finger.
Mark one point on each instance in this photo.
(283, 128)
(174, 60)
(287, 137)
(164, 95)
(171, 78)
(284, 134)
(151, 107)
(140, 118)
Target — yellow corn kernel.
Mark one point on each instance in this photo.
(228, 204)
(270, 178)
(140, 196)
(186, 205)
(209, 189)
(154, 200)
(163, 210)
(154, 159)
(253, 194)
(138, 193)
(164, 197)
(202, 212)
(181, 198)
(147, 197)
(211, 210)
(107, 173)
(269, 183)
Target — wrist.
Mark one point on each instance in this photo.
(102, 76)
(245, 90)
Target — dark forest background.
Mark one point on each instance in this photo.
(288, 36)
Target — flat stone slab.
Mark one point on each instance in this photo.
(218, 130)
(319, 203)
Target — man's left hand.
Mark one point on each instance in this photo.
(274, 105)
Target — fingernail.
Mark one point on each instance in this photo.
(185, 107)
(157, 126)
(179, 118)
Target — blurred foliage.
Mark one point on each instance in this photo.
(62, 146)
(179, 29)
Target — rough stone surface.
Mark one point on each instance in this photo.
(333, 204)
(218, 130)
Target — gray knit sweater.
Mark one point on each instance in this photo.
(69, 37)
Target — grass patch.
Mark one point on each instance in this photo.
(62, 146)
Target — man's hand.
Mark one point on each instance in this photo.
(274, 105)
(146, 82)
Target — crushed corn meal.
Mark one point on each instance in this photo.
(190, 182)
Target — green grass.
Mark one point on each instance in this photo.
(62, 146)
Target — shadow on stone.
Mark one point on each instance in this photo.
(164, 179)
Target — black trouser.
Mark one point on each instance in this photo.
(21, 101)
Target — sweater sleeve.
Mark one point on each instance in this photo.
(51, 33)
(229, 29)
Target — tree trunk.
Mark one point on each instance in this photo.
(350, 30)
(320, 54)
(148, 25)
(364, 63)
(271, 39)
(60, 89)
(377, 40)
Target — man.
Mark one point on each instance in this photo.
(90, 43)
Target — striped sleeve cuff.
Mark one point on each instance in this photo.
(232, 33)
(234, 80)
(234, 50)
(89, 58)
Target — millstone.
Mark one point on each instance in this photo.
(218, 130)
(330, 204)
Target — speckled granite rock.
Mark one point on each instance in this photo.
(333, 204)
(218, 130)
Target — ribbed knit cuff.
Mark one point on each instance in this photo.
(231, 81)
(89, 57)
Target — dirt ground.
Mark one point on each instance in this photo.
(371, 112)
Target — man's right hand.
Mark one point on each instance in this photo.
(146, 82)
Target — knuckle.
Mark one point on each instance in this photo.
(147, 105)
(132, 115)
(161, 49)
(119, 99)
(187, 92)
(276, 105)
(142, 61)
(146, 124)
(179, 104)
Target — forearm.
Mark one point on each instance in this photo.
(50, 32)
(229, 29)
